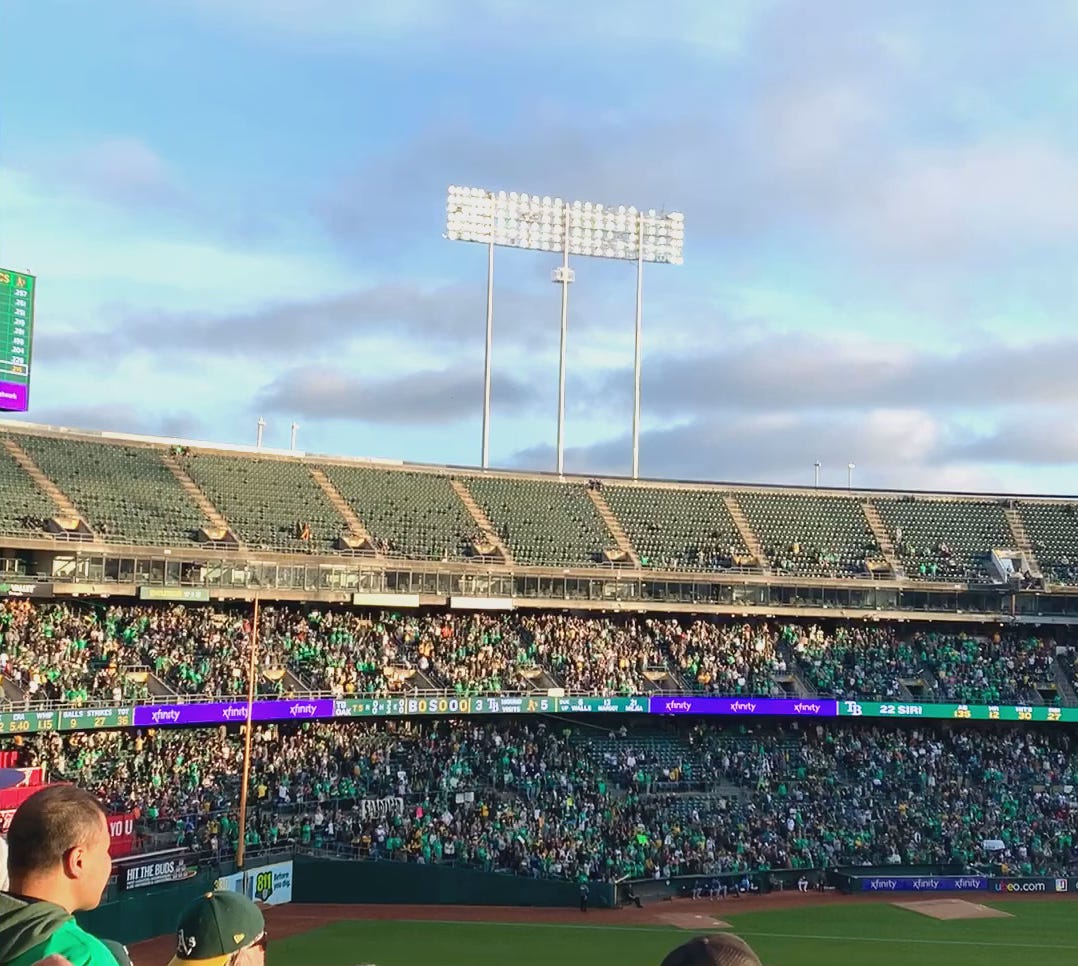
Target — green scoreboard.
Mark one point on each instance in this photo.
(16, 336)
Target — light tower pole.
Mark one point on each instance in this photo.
(545, 224)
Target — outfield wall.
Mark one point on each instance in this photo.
(138, 914)
(131, 913)
(336, 880)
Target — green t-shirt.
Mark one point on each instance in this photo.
(30, 931)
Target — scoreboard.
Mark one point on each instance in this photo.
(16, 337)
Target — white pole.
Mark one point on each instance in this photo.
(292, 443)
(258, 434)
(849, 476)
(486, 357)
(816, 475)
(564, 279)
(636, 361)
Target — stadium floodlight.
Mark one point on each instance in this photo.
(518, 220)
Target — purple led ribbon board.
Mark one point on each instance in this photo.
(229, 712)
(795, 707)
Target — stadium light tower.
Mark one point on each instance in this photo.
(544, 224)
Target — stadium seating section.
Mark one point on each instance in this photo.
(1052, 529)
(69, 651)
(415, 515)
(945, 540)
(125, 493)
(569, 800)
(23, 507)
(266, 501)
(677, 529)
(544, 523)
(809, 534)
(128, 494)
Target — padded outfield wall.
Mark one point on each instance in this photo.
(336, 880)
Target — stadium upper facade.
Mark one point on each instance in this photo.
(112, 513)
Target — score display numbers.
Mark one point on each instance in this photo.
(16, 336)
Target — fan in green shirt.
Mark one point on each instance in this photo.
(58, 860)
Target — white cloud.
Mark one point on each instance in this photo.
(998, 198)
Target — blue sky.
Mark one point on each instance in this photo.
(235, 208)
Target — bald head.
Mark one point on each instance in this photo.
(721, 949)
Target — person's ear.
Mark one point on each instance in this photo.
(74, 859)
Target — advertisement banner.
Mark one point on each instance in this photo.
(271, 884)
(181, 594)
(959, 883)
(793, 707)
(121, 834)
(1032, 885)
(232, 712)
(30, 589)
(969, 712)
(921, 883)
(157, 869)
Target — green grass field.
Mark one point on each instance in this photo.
(875, 934)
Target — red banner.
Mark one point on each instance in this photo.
(122, 834)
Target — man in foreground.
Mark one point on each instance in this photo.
(58, 864)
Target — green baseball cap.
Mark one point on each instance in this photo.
(119, 951)
(215, 926)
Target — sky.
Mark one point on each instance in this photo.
(236, 208)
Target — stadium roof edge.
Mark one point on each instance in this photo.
(388, 462)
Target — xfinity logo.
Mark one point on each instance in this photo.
(161, 715)
(677, 705)
(888, 885)
(233, 713)
(302, 710)
(801, 708)
(749, 706)
(926, 883)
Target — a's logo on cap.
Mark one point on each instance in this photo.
(185, 945)
(238, 937)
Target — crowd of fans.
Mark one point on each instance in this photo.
(78, 652)
(878, 660)
(553, 800)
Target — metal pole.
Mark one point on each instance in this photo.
(849, 476)
(247, 738)
(258, 434)
(636, 361)
(292, 443)
(564, 279)
(486, 357)
(816, 475)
